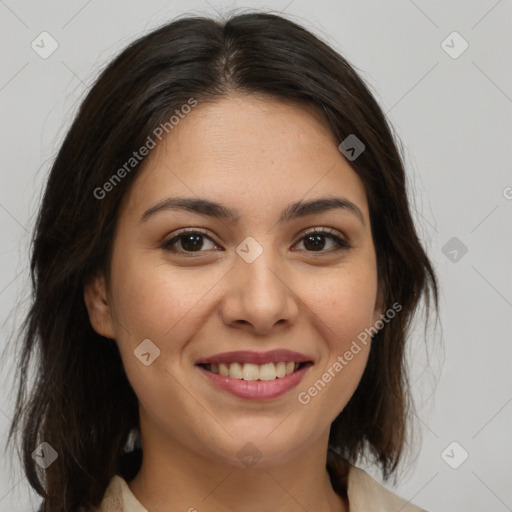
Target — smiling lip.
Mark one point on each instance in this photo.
(256, 389)
(259, 358)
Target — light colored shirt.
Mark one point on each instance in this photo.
(365, 494)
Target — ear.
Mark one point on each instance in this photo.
(98, 307)
(379, 305)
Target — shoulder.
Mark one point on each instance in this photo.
(365, 494)
(119, 498)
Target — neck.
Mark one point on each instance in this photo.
(175, 478)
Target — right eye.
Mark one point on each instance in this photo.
(190, 240)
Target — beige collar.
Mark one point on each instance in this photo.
(365, 494)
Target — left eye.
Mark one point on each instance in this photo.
(315, 239)
(192, 241)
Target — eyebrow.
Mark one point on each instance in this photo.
(293, 211)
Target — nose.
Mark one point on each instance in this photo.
(259, 296)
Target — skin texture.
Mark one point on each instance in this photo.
(255, 155)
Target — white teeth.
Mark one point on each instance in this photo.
(268, 371)
(251, 371)
(235, 371)
(280, 369)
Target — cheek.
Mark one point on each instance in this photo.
(154, 303)
(343, 308)
(162, 304)
(345, 302)
(152, 299)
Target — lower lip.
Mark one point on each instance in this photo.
(256, 389)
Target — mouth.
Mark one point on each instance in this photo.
(254, 372)
(255, 375)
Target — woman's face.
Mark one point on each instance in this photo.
(257, 282)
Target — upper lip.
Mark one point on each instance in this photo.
(259, 358)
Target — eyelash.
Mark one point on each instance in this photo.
(328, 232)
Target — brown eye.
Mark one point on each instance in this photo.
(187, 242)
(314, 241)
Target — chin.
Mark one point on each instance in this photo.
(260, 450)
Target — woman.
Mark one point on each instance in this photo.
(225, 267)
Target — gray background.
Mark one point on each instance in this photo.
(454, 118)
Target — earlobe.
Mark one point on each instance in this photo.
(379, 306)
(377, 315)
(98, 307)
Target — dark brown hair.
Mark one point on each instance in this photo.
(81, 402)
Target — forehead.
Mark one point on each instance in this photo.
(247, 151)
